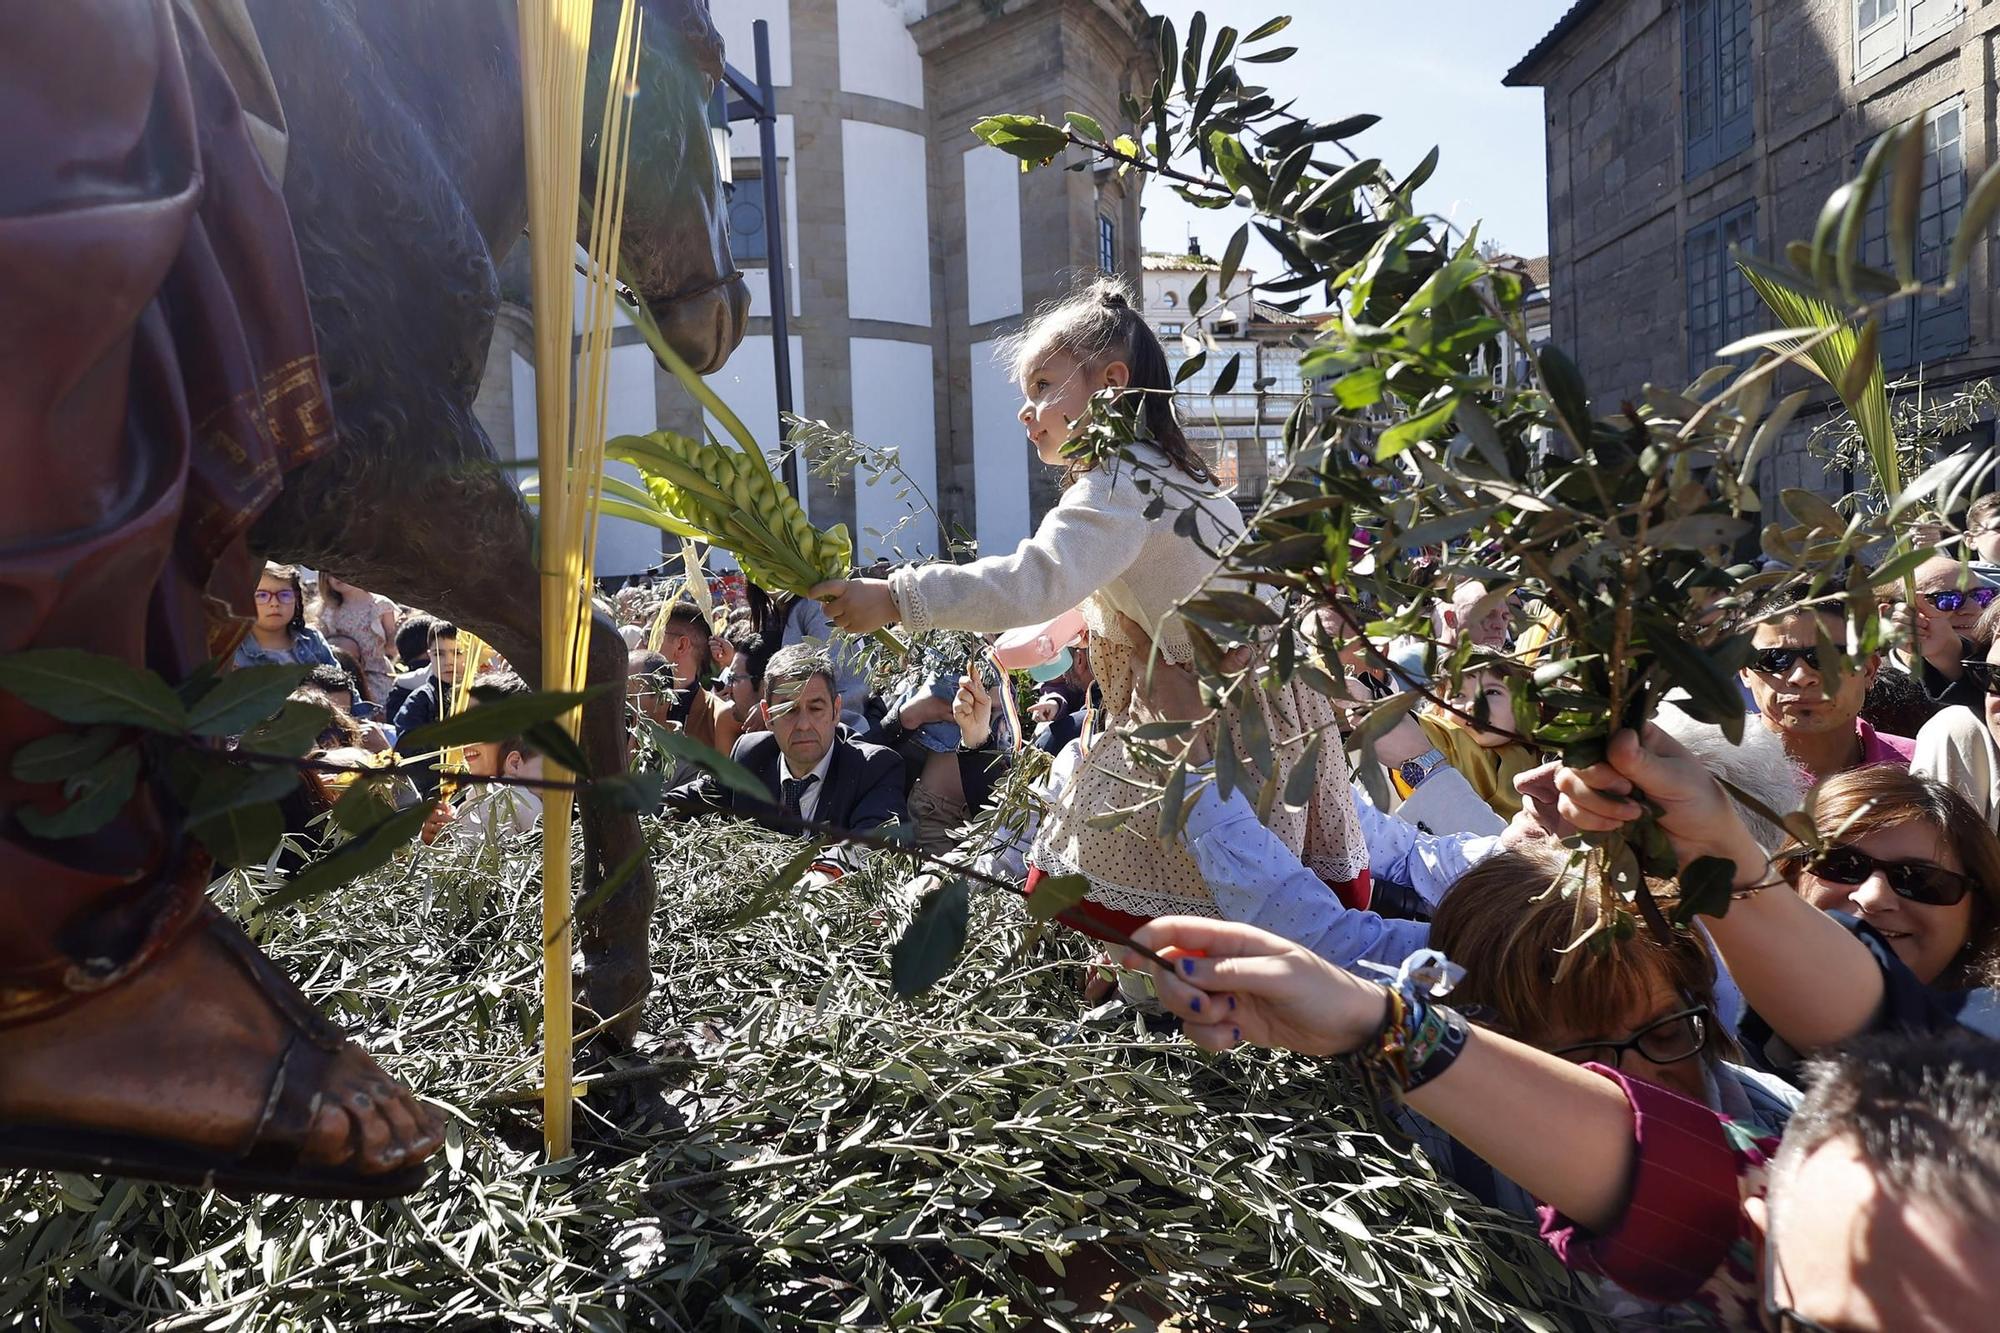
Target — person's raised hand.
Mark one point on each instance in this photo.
(1541, 812)
(1045, 709)
(972, 708)
(437, 821)
(1695, 813)
(1231, 983)
(859, 606)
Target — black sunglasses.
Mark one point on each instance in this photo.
(1918, 881)
(1664, 1041)
(1779, 661)
(1953, 599)
(1981, 675)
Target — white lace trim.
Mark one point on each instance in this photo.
(1125, 897)
(909, 602)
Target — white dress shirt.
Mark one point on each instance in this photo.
(808, 799)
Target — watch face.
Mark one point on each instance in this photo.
(1412, 771)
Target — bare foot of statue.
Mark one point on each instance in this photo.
(209, 1067)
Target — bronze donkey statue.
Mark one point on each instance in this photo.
(407, 187)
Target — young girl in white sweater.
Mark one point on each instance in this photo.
(1107, 548)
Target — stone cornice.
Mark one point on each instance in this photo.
(963, 19)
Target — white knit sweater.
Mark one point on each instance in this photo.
(1096, 549)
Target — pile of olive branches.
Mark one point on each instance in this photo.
(799, 1150)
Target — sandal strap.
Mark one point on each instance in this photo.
(283, 993)
(297, 1090)
(291, 1106)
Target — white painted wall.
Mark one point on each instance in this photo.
(623, 547)
(733, 19)
(1000, 455)
(888, 223)
(992, 234)
(894, 408)
(878, 56)
(743, 145)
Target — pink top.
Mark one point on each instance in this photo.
(1879, 747)
(1684, 1236)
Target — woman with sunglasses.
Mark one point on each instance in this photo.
(280, 634)
(1960, 747)
(1908, 871)
(1915, 872)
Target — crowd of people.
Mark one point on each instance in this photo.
(1814, 1067)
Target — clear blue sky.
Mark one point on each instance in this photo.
(1431, 69)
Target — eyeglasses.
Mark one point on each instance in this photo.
(281, 596)
(1664, 1041)
(1779, 661)
(1952, 599)
(1918, 881)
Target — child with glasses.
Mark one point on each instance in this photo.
(280, 634)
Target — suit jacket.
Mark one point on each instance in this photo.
(863, 791)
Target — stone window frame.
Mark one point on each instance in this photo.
(748, 191)
(1898, 28)
(1107, 243)
(1924, 328)
(1718, 83)
(1722, 306)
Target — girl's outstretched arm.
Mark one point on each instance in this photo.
(1092, 537)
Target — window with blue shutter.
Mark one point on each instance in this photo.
(1887, 30)
(1716, 89)
(1930, 327)
(749, 239)
(1722, 305)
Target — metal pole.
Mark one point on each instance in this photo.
(774, 233)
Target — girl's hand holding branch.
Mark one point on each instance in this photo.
(859, 606)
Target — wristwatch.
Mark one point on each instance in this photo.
(1414, 771)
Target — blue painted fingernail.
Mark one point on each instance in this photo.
(1232, 1002)
(1237, 1033)
(1187, 967)
(1194, 1003)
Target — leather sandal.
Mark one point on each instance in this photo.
(269, 1157)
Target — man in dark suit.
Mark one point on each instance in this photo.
(815, 767)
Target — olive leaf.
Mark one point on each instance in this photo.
(63, 755)
(1056, 894)
(367, 851)
(496, 718)
(931, 943)
(94, 797)
(75, 686)
(244, 697)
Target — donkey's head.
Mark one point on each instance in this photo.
(675, 244)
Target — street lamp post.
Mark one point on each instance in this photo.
(744, 97)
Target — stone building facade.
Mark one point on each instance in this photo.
(1678, 129)
(1240, 432)
(910, 251)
